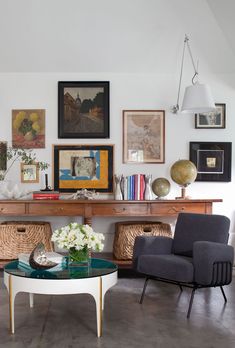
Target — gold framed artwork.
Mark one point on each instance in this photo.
(29, 173)
(79, 167)
(143, 136)
(28, 128)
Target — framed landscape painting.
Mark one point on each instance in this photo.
(212, 160)
(28, 128)
(83, 110)
(79, 167)
(143, 136)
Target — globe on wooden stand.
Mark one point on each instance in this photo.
(161, 187)
(183, 172)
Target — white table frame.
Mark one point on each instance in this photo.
(95, 286)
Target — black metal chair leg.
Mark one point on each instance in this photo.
(191, 302)
(144, 288)
(222, 290)
(181, 289)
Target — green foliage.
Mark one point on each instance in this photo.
(25, 156)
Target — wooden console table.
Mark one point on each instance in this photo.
(104, 208)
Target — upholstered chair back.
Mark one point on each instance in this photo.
(199, 227)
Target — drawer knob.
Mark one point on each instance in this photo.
(119, 210)
(174, 209)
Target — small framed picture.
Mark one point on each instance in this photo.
(29, 173)
(214, 119)
(3, 155)
(79, 167)
(212, 160)
(143, 136)
(83, 110)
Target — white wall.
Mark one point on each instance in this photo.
(127, 91)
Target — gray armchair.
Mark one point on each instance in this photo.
(197, 257)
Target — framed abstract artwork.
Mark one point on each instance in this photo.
(83, 110)
(28, 128)
(144, 136)
(212, 160)
(83, 167)
(214, 119)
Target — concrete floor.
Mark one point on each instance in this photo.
(69, 321)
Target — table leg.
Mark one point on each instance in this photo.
(99, 309)
(11, 305)
(31, 302)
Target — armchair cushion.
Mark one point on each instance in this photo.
(191, 227)
(171, 267)
(205, 254)
(150, 245)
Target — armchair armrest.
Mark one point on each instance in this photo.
(205, 255)
(151, 245)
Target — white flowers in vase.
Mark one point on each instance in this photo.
(77, 237)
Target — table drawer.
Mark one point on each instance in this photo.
(119, 209)
(175, 208)
(12, 209)
(49, 209)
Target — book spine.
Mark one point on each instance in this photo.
(125, 189)
(46, 197)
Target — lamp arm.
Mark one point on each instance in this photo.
(175, 108)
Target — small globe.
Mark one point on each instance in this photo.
(161, 187)
(183, 172)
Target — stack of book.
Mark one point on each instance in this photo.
(134, 187)
(46, 195)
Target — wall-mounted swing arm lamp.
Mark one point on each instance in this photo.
(197, 97)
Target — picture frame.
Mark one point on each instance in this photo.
(3, 156)
(28, 128)
(83, 109)
(79, 167)
(212, 160)
(29, 173)
(212, 120)
(143, 136)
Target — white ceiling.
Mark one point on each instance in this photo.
(129, 36)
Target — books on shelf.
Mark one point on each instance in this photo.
(46, 195)
(133, 187)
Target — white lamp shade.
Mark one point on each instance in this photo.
(197, 98)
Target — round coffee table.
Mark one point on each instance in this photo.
(95, 280)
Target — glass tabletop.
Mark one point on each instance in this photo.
(96, 268)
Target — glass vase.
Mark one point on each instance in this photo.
(78, 257)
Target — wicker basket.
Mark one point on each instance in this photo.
(22, 237)
(126, 232)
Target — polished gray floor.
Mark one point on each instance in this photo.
(69, 321)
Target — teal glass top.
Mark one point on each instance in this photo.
(96, 268)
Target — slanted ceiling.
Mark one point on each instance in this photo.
(124, 36)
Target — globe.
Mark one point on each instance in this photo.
(183, 172)
(161, 187)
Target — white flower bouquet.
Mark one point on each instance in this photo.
(78, 239)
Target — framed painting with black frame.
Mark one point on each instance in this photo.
(212, 120)
(83, 109)
(79, 167)
(212, 160)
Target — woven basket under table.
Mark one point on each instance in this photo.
(22, 236)
(126, 232)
